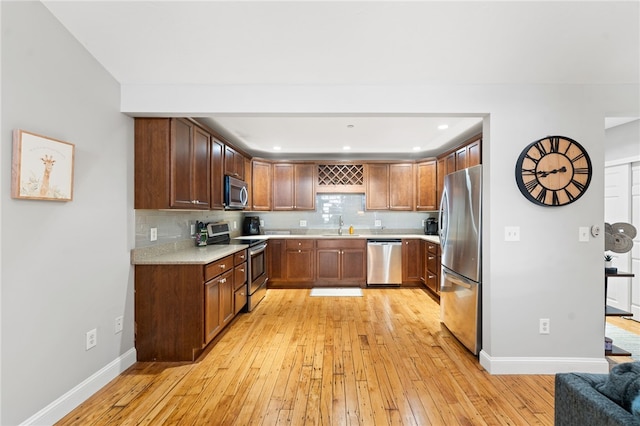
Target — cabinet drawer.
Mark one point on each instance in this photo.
(433, 283)
(240, 257)
(341, 244)
(240, 275)
(239, 299)
(433, 264)
(218, 267)
(299, 244)
(433, 248)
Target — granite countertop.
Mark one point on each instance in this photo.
(185, 252)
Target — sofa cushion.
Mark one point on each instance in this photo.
(622, 384)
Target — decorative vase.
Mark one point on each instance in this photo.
(607, 264)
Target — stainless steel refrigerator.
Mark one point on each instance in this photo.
(461, 246)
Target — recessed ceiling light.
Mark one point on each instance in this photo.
(416, 148)
(443, 127)
(350, 126)
(346, 148)
(277, 148)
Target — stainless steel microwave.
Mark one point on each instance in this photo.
(236, 195)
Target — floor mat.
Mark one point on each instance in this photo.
(624, 340)
(342, 291)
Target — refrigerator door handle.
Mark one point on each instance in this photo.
(451, 280)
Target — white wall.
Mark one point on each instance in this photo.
(65, 266)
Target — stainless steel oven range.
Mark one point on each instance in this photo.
(218, 233)
(257, 274)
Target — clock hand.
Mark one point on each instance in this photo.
(543, 173)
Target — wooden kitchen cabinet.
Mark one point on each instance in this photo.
(239, 281)
(341, 261)
(233, 163)
(294, 186)
(275, 262)
(389, 186)
(180, 308)
(412, 263)
(432, 266)
(426, 178)
(261, 180)
(300, 261)
(217, 174)
(172, 164)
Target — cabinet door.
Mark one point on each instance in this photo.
(461, 158)
(474, 153)
(201, 169)
(411, 261)
(212, 321)
(300, 265)
(354, 266)
(377, 187)
(227, 310)
(283, 186)
(450, 163)
(275, 261)
(328, 264)
(304, 187)
(217, 174)
(441, 167)
(426, 182)
(261, 185)
(233, 163)
(181, 164)
(401, 187)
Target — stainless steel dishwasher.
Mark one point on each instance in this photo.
(384, 262)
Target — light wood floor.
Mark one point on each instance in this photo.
(375, 360)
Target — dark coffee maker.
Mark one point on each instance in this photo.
(431, 226)
(251, 226)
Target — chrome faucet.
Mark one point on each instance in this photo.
(340, 225)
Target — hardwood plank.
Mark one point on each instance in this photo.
(382, 359)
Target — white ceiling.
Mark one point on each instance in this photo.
(361, 42)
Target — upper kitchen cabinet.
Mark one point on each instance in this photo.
(217, 174)
(426, 178)
(294, 186)
(389, 186)
(261, 179)
(233, 163)
(468, 154)
(172, 164)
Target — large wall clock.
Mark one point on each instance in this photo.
(553, 171)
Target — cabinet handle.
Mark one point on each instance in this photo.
(223, 280)
(431, 276)
(431, 257)
(241, 269)
(299, 251)
(223, 266)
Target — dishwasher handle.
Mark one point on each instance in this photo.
(384, 242)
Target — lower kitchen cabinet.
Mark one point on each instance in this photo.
(411, 262)
(432, 266)
(291, 263)
(341, 261)
(180, 308)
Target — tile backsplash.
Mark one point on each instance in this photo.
(174, 226)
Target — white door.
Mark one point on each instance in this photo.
(617, 208)
(635, 251)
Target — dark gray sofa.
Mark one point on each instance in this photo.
(579, 403)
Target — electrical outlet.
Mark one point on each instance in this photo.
(377, 222)
(261, 222)
(193, 229)
(92, 338)
(153, 234)
(545, 326)
(303, 223)
(118, 324)
(423, 222)
(235, 225)
(512, 233)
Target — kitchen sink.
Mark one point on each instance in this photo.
(343, 235)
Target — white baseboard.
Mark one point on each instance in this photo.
(70, 400)
(542, 365)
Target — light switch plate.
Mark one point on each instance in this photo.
(303, 223)
(583, 234)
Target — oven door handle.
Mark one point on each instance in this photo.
(258, 250)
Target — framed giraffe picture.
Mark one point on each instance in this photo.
(42, 167)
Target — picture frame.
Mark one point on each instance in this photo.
(41, 168)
